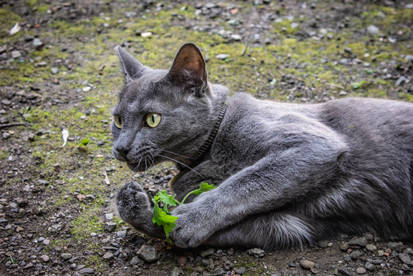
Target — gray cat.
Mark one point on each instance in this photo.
(288, 174)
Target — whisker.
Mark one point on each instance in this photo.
(186, 166)
(177, 154)
(152, 159)
(139, 162)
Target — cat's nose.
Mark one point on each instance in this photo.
(122, 150)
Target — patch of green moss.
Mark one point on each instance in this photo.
(408, 97)
(96, 262)
(31, 3)
(86, 224)
(22, 72)
(4, 155)
(376, 93)
(43, 8)
(285, 27)
(252, 267)
(65, 29)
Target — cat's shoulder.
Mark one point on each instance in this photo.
(367, 102)
(371, 108)
(245, 100)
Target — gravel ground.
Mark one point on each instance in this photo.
(58, 72)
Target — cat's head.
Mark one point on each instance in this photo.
(163, 114)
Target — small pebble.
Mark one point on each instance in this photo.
(15, 54)
(121, 234)
(109, 217)
(323, 244)
(371, 247)
(207, 252)
(37, 43)
(405, 258)
(236, 37)
(395, 245)
(306, 264)
(344, 246)
(66, 256)
(135, 260)
(240, 270)
(361, 270)
(256, 252)
(369, 266)
(356, 254)
(86, 270)
(222, 56)
(373, 30)
(148, 253)
(362, 241)
(109, 226)
(348, 50)
(146, 34)
(408, 251)
(176, 271)
(294, 25)
(108, 255)
(401, 81)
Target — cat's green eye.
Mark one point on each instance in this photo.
(117, 121)
(152, 119)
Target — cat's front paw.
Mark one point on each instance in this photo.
(193, 226)
(132, 201)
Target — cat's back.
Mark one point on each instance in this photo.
(242, 104)
(374, 121)
(362, 122)
(375, 112)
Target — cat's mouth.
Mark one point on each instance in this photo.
(133, 166)
(142, 164)
(139, 166)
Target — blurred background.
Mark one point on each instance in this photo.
(59, 79)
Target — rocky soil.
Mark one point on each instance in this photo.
(59, 74)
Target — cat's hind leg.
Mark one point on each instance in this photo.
(134, 208)
(269, 231)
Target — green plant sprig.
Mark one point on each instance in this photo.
(162, 216)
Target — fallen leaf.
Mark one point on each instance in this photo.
(65, 135)
(107, 181)
(16, 28)
(80, 197)
(234, 11)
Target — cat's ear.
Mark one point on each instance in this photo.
(130, 66)
(188, 68)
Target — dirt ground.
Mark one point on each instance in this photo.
(58, 71)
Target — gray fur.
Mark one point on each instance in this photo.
(288, 174)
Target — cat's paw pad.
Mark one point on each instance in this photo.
(131, 201)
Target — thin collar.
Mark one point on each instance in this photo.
(208, 143)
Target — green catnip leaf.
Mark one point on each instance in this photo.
(203, 187)
(162, 216)
(167, 199)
